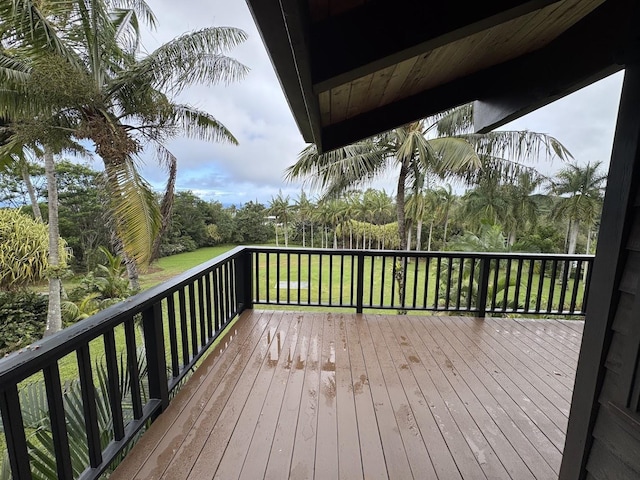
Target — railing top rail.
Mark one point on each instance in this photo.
(421, 253)
(32, 359)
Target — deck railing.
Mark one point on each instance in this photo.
(478, 283)
(126, 361)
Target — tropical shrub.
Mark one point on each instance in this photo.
(24, 315)
(24, 246)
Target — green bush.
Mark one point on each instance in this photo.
(24, 315)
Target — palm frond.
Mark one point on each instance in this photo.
(517, 145)
(336, 171)
(192, 58)
(201, 125)
(455, 121)
(135, 210)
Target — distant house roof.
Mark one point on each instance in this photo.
(354, 68)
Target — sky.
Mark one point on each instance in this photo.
(256, 112)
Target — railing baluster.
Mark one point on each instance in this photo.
(184, 334)
(494, 294)
(341, 284)
(425, 300)
(268, 267)
(459, 289)
(543, 269)
(217, 307)
(320, 268)
(394, 269)
(416, 268)
(330, 279)
(89, 407)
(527, 300)
(207, 298)
(360, 284)
(256, 256)
(278, 278)
(132, 363)
(193, 321)
(436, 301)
(382, 282)
(576, 285)
(308, 279)
(156, 362)
(564, 285)
(483, 285)
(299, 276)
(472, 273)
(352, 288)
(231, 283)
(288, 278)
(449, 275)
(57, 418)
(371, 279)
(14, 433)
(552, 286)
(516, 295)
(113, 385)
(507, 281)
(173, 337)
(203, 325)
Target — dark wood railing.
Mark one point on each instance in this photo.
(478, 283)
(158, 336)
(179, 320)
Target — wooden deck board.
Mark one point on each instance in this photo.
(332, 395)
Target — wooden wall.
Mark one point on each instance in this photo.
(603, 438)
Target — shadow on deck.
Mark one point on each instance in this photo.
(327, 395)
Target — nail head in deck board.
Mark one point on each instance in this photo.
(377, 349)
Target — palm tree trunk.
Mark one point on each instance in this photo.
(286, 234)
(304, 236)
(573, 236)
(444, 236)
(54, 315)
(132, 273)
(276, 227)
(419, 235)
(409, 231)
(402, 177)
(24, 170)
(430, 235)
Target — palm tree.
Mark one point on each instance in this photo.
(580, 189)
(89, 73)
(304, 207)
(282, 210)
(440, 146)
(522, 207)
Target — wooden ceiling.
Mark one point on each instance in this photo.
(353, 68)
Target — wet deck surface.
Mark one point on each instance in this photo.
(316, 395)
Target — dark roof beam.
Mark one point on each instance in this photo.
(375, 36)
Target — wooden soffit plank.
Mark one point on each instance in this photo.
(584, 53)
(380, 34)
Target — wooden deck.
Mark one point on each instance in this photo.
(327, 395)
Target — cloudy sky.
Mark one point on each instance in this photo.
(257, 113)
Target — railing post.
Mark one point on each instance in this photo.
(360, 284)
(244, 281)
(156, 361)
(14, 433)
(483, 285)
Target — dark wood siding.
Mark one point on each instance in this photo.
(615, 451)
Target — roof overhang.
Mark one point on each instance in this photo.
(352, 69)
